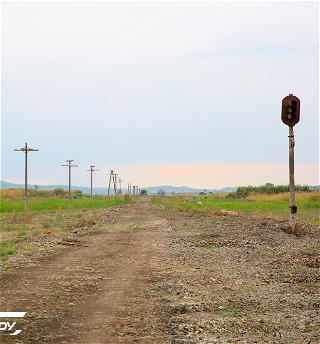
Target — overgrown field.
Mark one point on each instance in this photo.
(257, 205)
(54, 203)
(48, 216)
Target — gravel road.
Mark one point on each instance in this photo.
(150, 274)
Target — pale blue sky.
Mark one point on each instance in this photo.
(155, 83)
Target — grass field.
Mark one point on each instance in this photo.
(258, 205)
(55, 203)
(52, 215)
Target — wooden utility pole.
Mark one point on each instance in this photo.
(111, 177)
(91, 170)
(69, 165)
(26, 150)
(115, 182)
(120, 180)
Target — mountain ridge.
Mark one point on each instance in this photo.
(104, 190)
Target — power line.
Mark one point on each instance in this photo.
(54, 175)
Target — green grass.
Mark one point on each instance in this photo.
(16, 225)
(308, 210)
(6, 249)
(62, 204)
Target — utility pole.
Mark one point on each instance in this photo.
(290, 115)
(26, 150)
(69, 165)
(115, 182)
(120, 180)
(91, 170)
(111, 177)
(128, 187)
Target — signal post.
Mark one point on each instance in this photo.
(290, 115)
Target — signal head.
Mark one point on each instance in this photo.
(290, 114)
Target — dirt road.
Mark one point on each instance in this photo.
(154, 275)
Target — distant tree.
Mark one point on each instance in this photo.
(58, 191)
(143, 192)
(201, 193)
(269, 184)
(161, 192)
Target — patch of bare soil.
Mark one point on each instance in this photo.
(148, 274)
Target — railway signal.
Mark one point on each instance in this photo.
(290, 115)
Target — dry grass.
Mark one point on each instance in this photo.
(299, 196)
(14, 194)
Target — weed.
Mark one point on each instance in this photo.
(28, 248)
(59, 218)
(209, 247)
(311, 284)
(6, 250)
(45, 224)
(22, 233)
(298, 269)
(37, 232)
(307, 330)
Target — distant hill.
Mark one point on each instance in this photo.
(315, 187)
(84, 189)
(104, 190)
(184, 189)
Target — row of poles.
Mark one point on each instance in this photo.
(290, 115)
(134, 190)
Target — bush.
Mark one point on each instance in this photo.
(58, 191)
(269, 189)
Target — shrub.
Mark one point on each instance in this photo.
(269, 189)
(58, 191)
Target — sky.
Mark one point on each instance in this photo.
(167, 92)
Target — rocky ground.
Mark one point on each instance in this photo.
(150, 274)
